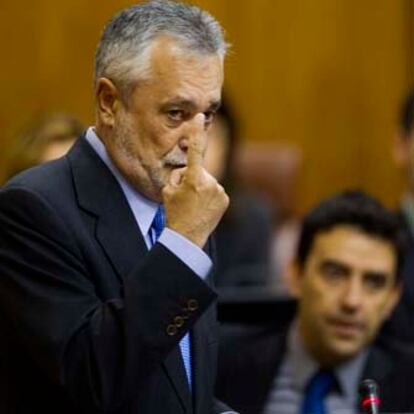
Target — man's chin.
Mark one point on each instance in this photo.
(345, 349)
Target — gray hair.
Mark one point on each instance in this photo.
(123, 51)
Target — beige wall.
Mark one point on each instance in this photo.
(325, 75)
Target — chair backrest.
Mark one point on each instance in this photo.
(271, 171)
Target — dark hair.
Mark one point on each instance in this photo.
(407, 115)
(356, 209)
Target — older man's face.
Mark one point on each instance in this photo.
(149, 138)
(346, 289)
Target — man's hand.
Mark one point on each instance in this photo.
(193, 199)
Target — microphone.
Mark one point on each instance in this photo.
(369, 397)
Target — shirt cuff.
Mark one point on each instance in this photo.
(188, 252)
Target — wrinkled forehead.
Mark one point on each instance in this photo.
(177, 73)
(172, 50)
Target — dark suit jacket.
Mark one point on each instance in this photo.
(88, 316)
(249, 359)
(401, 323)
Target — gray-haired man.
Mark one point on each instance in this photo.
(104, 290)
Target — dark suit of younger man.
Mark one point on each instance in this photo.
(250, 358)
(399, 327)
(91, 319)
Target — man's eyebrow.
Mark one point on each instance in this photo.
(189, 104)
(329, 262)
(377, 274)
(179, 102)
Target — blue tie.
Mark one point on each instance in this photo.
(316, 390)
(157, 227)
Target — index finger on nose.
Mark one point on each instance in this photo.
(197, 142)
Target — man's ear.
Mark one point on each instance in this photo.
(294, 279)
(108, 101)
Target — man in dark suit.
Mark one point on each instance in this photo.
(346, 282)
(399, 327)
(105, 300)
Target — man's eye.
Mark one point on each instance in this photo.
(176, 114)
(375, 281)
(209, 116)
(333, 272)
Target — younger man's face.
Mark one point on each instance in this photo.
(346, 289)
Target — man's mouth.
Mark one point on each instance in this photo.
(175, 165)
(346, 328)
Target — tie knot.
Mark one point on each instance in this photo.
(158, 224)
(316, 390)
(321, 382)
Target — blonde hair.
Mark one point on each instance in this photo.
(32, 143)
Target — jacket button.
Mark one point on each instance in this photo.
(192, 304)
(171, 330)
(179, 321)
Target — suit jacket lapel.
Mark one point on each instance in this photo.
(269, 355)
(379, 367)
(99, 193)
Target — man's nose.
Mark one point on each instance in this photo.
(353, 294)
(187, 130)
(183, 144)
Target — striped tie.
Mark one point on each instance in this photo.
(157, 227)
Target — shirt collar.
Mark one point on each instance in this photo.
(304, 366)
(144, 210)
(349, 374)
